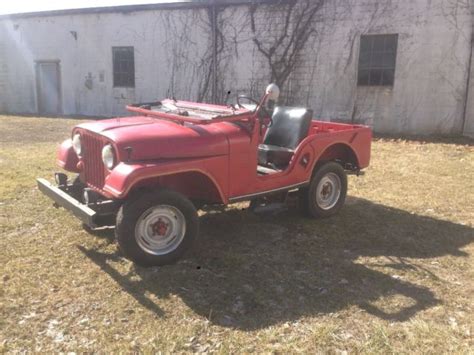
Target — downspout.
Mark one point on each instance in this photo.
(214, 52)
(469, 71)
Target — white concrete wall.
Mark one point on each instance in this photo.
(45, 38)
(469, 118)
(431, 70)
(173, 57)
(469, 121)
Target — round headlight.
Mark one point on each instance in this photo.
(76, 144)
(108, 156)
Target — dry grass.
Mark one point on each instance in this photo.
(393, 272)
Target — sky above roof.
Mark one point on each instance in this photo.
(18, 6)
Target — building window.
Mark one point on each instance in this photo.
(377, 60)
(124, 67)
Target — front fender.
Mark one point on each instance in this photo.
(125, 176)
(67, 157)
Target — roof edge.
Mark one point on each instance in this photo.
(139, 7)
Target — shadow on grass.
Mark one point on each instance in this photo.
(249, 272)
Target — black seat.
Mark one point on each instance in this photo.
(290, 126)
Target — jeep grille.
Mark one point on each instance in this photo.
(94, 169)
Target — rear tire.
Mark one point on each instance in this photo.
(326, 192)
(156, 228)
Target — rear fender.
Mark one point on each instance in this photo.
(341, 152)
(313, 150)
(349, 147)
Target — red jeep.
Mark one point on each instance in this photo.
(148, 174)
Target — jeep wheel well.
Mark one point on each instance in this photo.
(195, 185)
(341, 153)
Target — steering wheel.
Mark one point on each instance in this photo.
(240, 97)
(262, 112)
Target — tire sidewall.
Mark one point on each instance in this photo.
(311, 204)
(131, 211)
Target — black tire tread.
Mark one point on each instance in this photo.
(307, 194)
(131, 210)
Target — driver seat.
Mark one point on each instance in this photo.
(290, 126)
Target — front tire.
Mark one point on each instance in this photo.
(326, 192)
(156, 228)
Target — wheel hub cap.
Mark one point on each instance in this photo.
(328, 191)
(160, 229)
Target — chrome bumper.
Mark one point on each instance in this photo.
(63, 199)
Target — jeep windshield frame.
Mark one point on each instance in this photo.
(191, 112)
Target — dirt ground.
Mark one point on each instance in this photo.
(393, 272)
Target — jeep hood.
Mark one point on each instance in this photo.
(152, 138)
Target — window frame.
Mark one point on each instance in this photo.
(377, 62)
(118, 65)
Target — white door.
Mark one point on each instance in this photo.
(48, 88)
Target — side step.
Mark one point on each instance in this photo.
(273, 208)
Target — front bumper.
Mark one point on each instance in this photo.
(63, 199)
